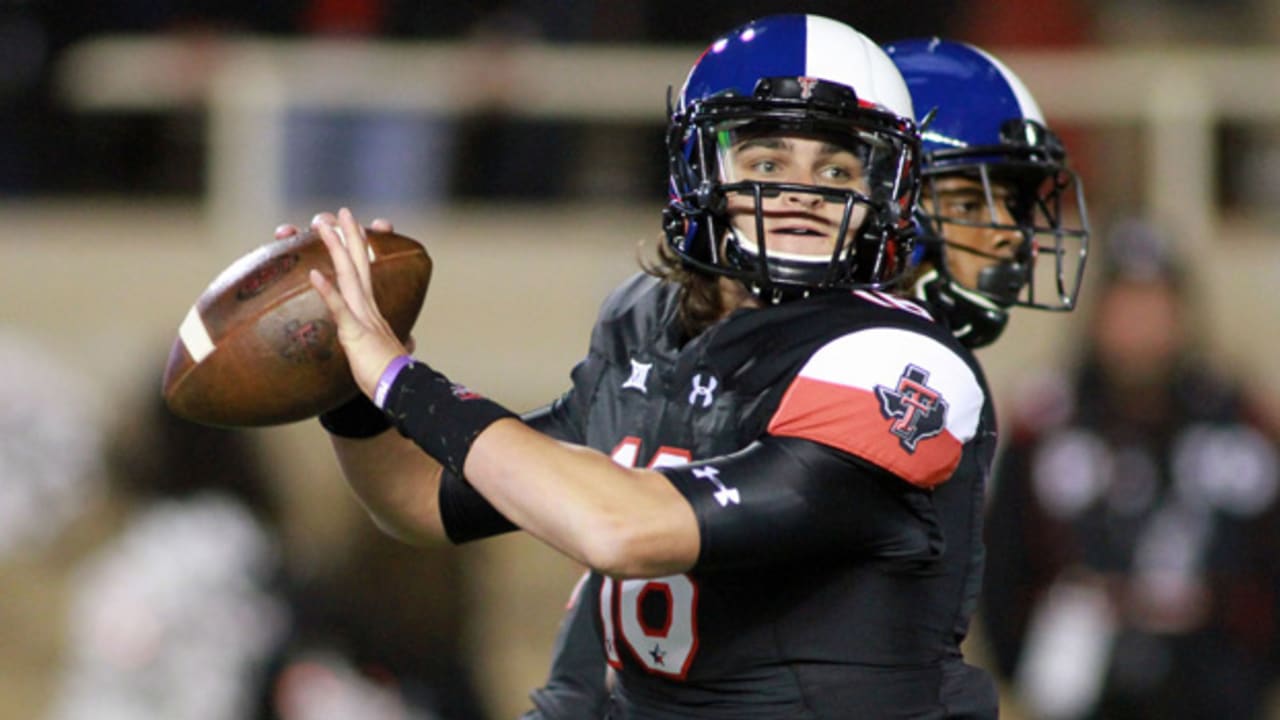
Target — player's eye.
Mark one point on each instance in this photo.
(964, 208)
(759, 164)
(840, 173)
(764, 166)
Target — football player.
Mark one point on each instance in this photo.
(1003, 216)
(804, 539)
(998, 203)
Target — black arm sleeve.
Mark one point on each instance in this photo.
(466, 514)
(782, 498)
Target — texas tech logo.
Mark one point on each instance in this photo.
(807, 84)
(917, 410)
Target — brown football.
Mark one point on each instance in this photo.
(259, 346)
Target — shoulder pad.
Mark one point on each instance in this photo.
(636, 313)
(898, 398)
(637, 293)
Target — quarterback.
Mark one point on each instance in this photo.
(773, 466)
(996, 217)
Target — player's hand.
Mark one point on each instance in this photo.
(369, 342)
(288, 230)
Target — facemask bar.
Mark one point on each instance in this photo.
(696, 220)
(766, 267)
(863, 159)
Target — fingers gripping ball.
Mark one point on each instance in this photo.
(259, 346)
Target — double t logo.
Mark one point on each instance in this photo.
(917, 410)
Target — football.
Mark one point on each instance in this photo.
(259, 346)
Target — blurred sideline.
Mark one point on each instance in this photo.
(1178, 98)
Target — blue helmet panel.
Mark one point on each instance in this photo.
(760, 49)
(796, 45)
(973, 92)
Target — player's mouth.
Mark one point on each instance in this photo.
(800, 227)
(799, 231)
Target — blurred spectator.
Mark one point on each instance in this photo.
(50, 444)
(1049, 24)
(378, 635)
(49, 150)
(382, 157)
(672, 21)
(1134, 532)
(503, 155)
(51, 472)
(179, 614)
(392, 158)
(24, 55)
(190, 609)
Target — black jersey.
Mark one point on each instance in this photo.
(826, 634)
(864, 373)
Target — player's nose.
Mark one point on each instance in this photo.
(802, 199)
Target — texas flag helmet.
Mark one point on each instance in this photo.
(814, 77)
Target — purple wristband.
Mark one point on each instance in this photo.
(388, 377)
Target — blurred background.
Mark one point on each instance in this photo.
(154, 569)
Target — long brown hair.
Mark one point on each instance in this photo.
(701, 304)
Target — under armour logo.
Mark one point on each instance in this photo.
(704, 392)
(723, 495)
(807, 84)
(639, 379)
(917, 410)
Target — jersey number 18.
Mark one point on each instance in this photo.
(654, 617)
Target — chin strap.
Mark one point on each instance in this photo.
(770, 285)
(975, 320)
